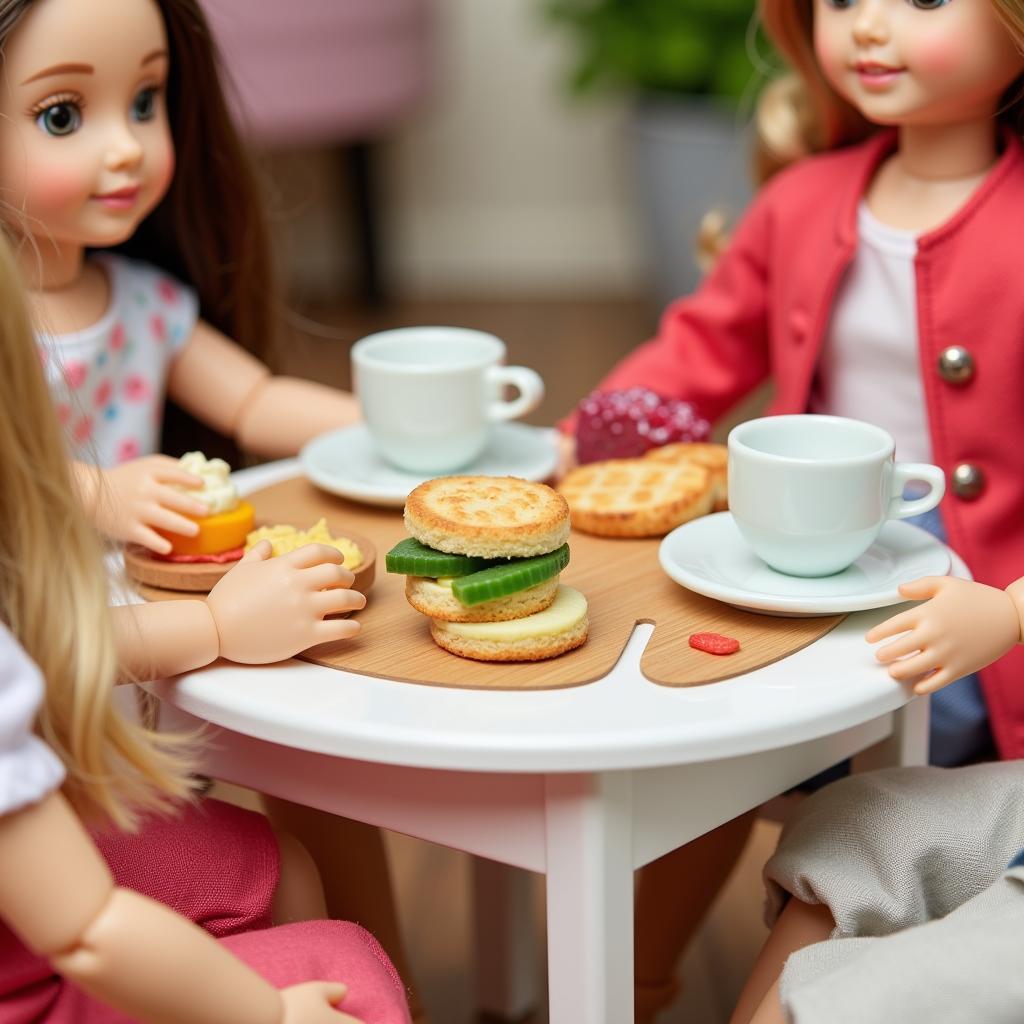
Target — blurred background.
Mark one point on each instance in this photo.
(534, 168)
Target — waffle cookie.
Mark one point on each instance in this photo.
(636, 497)
(713, 457)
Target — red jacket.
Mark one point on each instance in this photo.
(764, 310)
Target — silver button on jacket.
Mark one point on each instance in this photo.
(956, 365)
(968, 481)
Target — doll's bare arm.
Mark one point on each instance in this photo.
(224, 386)
(59, 898)
(961, 628)
(125, 503)
(262, 610)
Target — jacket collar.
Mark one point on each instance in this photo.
(880, 145)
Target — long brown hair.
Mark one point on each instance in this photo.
(210, 229)
(53, 596)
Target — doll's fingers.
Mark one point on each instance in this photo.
(164, 519)
(911, 668)
(320, 577)
(334, 629)
(936, 681)
(337, 599)
(148, 538)
(922, 589)
(168, 497)
(173, 474)
(899, 648)
(258, 552)
(314, 554)
(897, 624)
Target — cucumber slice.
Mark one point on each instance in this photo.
(509, 577)
(411, 558)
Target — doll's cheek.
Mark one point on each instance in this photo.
(53, 187)
(939, 56)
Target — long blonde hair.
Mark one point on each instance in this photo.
(53, 596)
(800, 113)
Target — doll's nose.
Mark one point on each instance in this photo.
(871, 24)
(123, 148)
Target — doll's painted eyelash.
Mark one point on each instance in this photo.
(60, 114)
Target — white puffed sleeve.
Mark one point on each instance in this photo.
(29, 769)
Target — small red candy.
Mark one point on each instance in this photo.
(714, 643)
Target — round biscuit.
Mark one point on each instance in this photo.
(487, 516)
(438, 602)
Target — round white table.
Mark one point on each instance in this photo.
(584, 784)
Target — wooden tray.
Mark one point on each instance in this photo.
(622, 582)
(157, 580)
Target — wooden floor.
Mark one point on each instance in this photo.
(572, 344)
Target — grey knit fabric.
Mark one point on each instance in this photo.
(912, 864)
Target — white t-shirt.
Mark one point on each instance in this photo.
(870, 367)
(109, 381)
(29, 769)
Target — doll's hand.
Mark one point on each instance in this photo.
(313, 1003)
(128, 501)
(962, 628)
(267, 609)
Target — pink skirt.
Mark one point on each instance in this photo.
(217, 865)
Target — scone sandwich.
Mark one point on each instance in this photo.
(483, 563)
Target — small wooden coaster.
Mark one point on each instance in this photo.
(621, 579)
(154, 585)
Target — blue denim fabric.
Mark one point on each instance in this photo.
(1018, 861)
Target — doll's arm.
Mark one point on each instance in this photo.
(262, 610)
(230, 390)
(59, 898)
(961, 628)
(126, 502)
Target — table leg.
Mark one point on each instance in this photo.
(907, 744)
(590, 898)
(505, 951)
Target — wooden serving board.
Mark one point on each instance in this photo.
(621, 580)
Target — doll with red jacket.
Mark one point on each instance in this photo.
(873, 276)
(139, 235)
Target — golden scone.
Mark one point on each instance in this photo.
(488, 516)
(713, 457)
(636, 497)
(435, 599)
(546, 634)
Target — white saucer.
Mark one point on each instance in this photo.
(346, 462)
(710, 557)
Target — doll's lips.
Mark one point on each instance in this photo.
(120, 199)
(876, 76)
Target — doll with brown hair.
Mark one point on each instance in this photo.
(138, 232)
(101, 926)
(875, 276)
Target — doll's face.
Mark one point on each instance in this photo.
(916, 62)
(85, 147)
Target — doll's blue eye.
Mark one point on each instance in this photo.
(144, 105)
(60, 119)
(928, 5)
(840, 5)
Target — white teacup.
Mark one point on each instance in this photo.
(811, 493)
(431, 394)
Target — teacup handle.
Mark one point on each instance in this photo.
(903, 473)
(529, 384)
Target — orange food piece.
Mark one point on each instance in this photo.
(217, 533)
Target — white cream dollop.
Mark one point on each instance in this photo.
(218, 491)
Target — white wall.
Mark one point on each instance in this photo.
(503, 183)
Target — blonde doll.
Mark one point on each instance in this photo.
(875, 275)
(87, 942)
(139, 234)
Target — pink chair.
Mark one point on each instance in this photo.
(319, 71)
